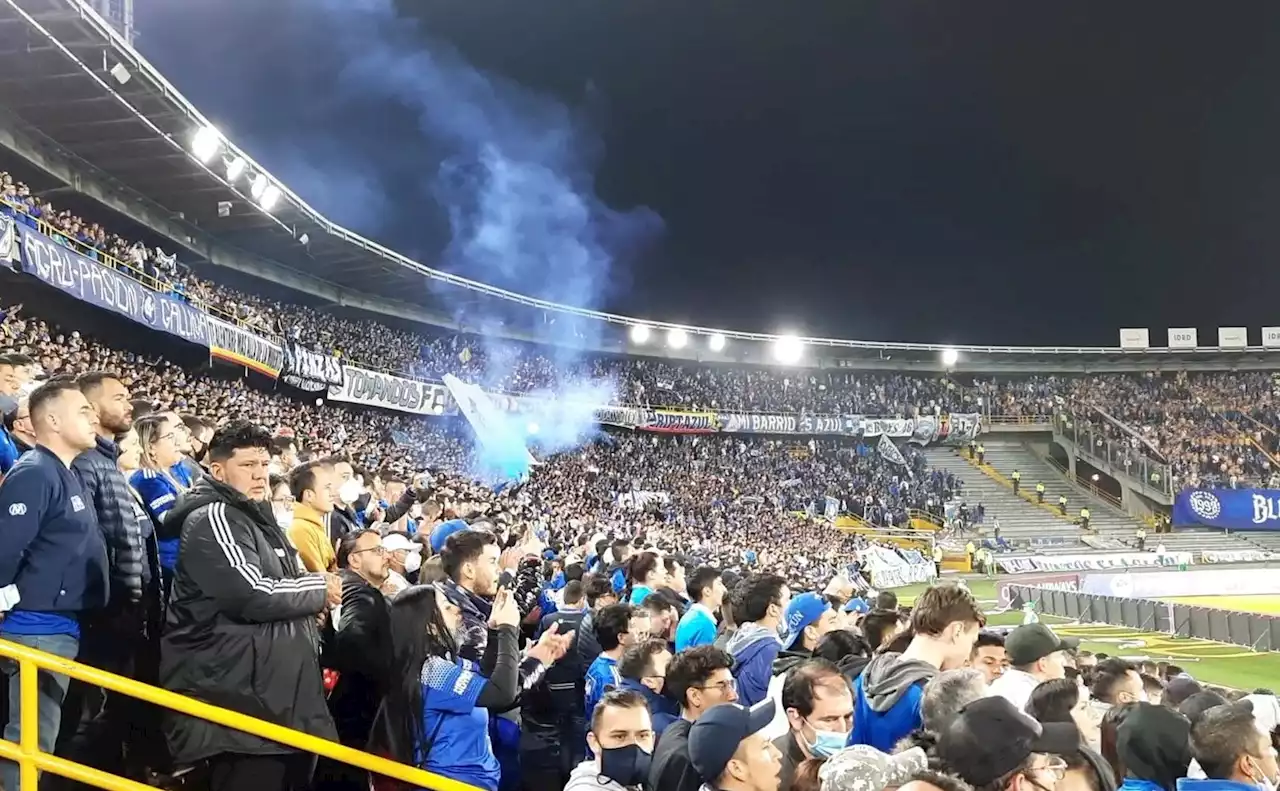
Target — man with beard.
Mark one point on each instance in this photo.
(470, 563)
(94, 721)
(358, 646)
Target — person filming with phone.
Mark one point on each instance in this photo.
(436, 716)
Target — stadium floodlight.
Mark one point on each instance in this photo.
(677, 338)
(270, 196)
(206, 143)
(949, 357)
(532, 428)
(716, 342)
(788, 349)
(639, 333)
(258, 186)
(235, 168)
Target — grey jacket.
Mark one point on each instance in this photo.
(114, 505)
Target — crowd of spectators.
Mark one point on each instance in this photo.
(645, 612)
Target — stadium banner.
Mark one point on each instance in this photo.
(1193, 582)
(1061, 582)
(1228, 509)
(665, 421)
(308, 370)
(373, 388)
(91, 282)
(1095, 562)
(234, 344)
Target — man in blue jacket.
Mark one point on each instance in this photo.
(886, 706)
(759, 602)
(53, 561)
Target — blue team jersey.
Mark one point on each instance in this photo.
(461, 749)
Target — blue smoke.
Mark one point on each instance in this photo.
(516, 181)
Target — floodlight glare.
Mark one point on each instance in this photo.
(716, 342)
(788, 349)
(639, 333)
(235, 168)
(206, 143)
(532, 428)
(269, 197)
(258, 186)
(677, 338)
(949, 357)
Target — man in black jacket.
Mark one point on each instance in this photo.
(241, 629)
(358, 646)
(553, 730)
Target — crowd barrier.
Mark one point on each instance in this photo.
(31, 759)
(1259, 632)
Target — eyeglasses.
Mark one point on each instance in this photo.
(1056, 767)
(724, 686)
(378, 550)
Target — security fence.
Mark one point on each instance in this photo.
(1259, 632)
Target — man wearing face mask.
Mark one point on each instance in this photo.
(1234, 751)
(621, 739)
(404, 556)
(312, 487)
(819, 710)
(643, 669)
(348, 490)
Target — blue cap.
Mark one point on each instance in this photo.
(442, 531)
(715, 736)
(802, 611)
(858, 605)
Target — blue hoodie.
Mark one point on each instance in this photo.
(886, 700)
(662, 711)
(753, 647)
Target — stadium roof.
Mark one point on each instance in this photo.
(57, 59)
(70, 78)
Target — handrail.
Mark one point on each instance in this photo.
(30, 759)
(933, 519)
(1018, 420)
(1093, 488)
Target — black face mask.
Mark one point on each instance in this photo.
(627, 766)
(198, 451)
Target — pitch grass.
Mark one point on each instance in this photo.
(1214, 663)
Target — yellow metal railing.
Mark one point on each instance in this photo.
(26, 753)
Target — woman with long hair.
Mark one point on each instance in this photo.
(436, 717)
(155, 482)
(645, 574)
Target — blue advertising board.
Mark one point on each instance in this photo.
(1228, 509)
(89, 281)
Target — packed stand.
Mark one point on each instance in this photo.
(517, 367)
(577, 631)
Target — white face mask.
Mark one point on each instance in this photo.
(412, 562)
(350, 491)
(275, 468)
(284, 517)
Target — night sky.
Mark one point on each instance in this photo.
(993, 172)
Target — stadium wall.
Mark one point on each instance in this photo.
(1259, 632)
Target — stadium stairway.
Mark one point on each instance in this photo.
(1020, 521)
(1002, 458)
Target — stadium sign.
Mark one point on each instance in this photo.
(1228, 509)
(237, 345)
(308, 370)
(91, 282)
(374, 388)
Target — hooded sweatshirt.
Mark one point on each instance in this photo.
(753, 647)
(886, 703)
(586, 777)
(785, 661)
